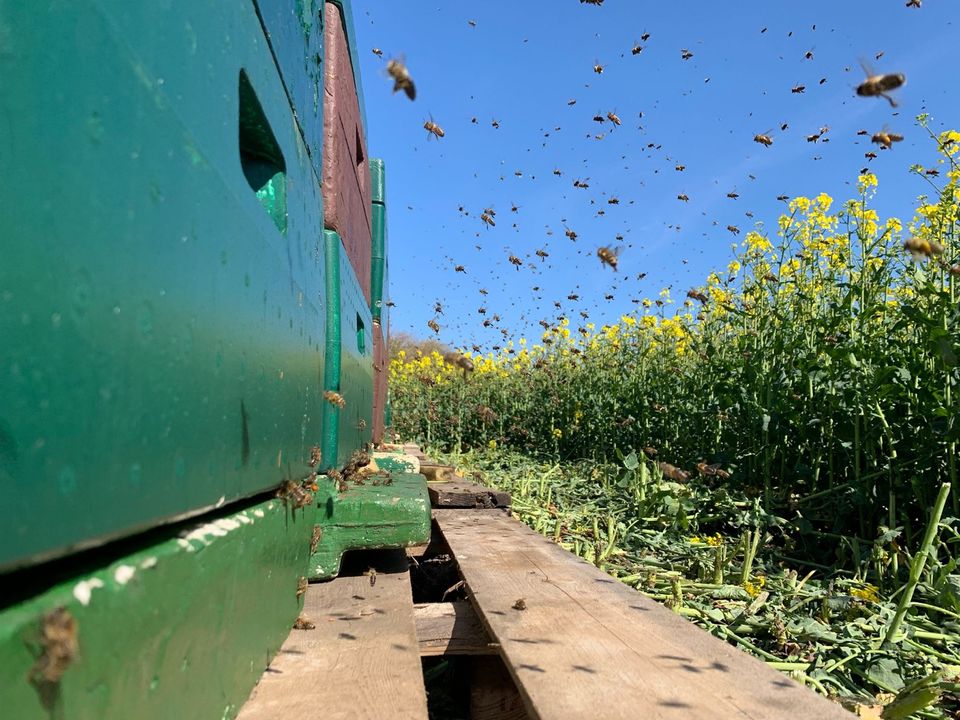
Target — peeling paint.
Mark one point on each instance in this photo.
(227, 524)
(84, 589)
(124, 574)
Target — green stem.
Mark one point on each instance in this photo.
(917, 566)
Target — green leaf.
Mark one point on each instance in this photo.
(886, 674)
(630, 462)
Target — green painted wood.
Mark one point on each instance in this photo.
(396, 462)
(371, 516)
(180, 629)
(332, 248)
(294, 30)
(163, 338)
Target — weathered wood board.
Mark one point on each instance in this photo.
(586, 645)
(465, 494)
(451, 628)
(361, 660)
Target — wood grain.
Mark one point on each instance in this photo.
(587, 645)
(465, 494)
(361, 660)
(451, 628)
(493, 696)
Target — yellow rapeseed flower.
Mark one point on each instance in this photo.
(867, 593)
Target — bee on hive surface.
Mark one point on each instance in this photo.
(880, 85)
(608, 256)
(58, 637)
(334, 398)
(401, 78)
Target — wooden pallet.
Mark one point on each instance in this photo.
(549, 635)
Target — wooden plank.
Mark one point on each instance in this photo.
(451, 628)
(493, 696)
(586, 645)
(465, 494)
(360, 661)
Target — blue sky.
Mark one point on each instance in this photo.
(523, 62)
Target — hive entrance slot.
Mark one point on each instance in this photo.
(260, 155)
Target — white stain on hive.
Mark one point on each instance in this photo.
(258, 512)
(124, 574)
(148, 563)
(84, 589)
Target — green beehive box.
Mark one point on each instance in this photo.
(161, 290)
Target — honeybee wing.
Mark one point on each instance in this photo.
(867, 68)
(409, 89)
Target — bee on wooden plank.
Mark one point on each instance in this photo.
(401, 78)
(303, 623)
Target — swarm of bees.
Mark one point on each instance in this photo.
(335, 398)
(401, 78)
(608, 256)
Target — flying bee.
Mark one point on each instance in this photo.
(612, 117)
(460, 361)
(697, 295)
(613, 201)
(636, 49)
(487, 219)
(764, 139)
(573, 296)
(432, 324)
(514, 260)
(401, 78)
(570, 234)
(460, 269)
(597, 67)
(886, 139)
(378, 52)
(798, 89)
(733, 195)
(734, 229)
(334, 398)
(599, 118)
(542, 254)
(683, 197)
(438, 308)
(608, 256)
(782, 197)
(495, 124)
(433, 129)
(685, 54)
(870, 155)
(680, 168)
(913, 3)
(922, 248)
(880, 85)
